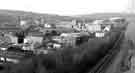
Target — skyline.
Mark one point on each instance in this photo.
(66, 7)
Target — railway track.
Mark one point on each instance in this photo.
(107, 60)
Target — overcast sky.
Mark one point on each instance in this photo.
(65, 7)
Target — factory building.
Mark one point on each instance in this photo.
(71, 39)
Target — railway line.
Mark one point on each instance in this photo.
(107, 60)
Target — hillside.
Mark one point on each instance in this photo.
(10, 16)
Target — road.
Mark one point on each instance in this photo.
(115, 66)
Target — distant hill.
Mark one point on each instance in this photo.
(104, 15)
(12, 15)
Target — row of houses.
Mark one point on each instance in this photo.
(71, 39)
(97, 24)
(100, 26)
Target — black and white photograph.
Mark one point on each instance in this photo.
(67, 36)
